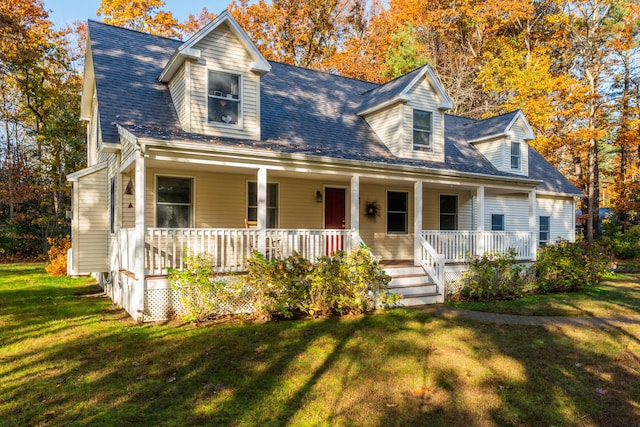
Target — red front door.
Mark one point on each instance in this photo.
(334, 217)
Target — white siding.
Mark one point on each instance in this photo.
(494, 151)
(222, 51)
(562, 212)
(387, 124)
(517, 135)
(498, 150)
(515, 209)
(374, 232)
(423, 97)
(431, 209)
(90, 223)
(177, 90)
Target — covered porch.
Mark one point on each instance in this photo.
(180, 206)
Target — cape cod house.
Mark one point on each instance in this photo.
(205, 146)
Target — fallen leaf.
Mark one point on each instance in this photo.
(140, 378)
(260, 348)
(171, 379)
(135, 363)
(601, 391)
(391, 405)
(49, 413)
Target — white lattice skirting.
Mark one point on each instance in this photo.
(164, 304)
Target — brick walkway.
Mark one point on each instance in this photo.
(510, 319)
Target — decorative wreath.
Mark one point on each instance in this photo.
(372, 210)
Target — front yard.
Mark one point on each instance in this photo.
(68, 357)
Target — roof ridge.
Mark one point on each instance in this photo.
(134, 31)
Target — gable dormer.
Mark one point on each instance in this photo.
(214, 80)
(407, 114)
(503, 140)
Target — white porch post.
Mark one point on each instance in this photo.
(417, 222)
(355, 203)
(480, 222)
(533, 223)
(140, 229)
(262, 210)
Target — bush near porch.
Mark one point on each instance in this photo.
(343, 283)
(561, 267)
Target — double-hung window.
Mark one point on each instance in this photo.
(448, 212)
(497, 222)
(174, 202)
(272, 203)
(397, 212)
(544, 230)
(223, 98)
(422, 130)
(516, 155)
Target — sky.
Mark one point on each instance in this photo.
(64, 12)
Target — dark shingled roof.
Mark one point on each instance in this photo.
(493, 126)
(302, 110)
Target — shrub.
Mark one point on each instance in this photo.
(623, 244)
(57, 265)
(344, 283)
(280, 286)
(567, 266)
(197, 285)
(493, 277)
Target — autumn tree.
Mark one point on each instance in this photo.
(140, 15)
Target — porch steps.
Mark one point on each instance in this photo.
(412, 283)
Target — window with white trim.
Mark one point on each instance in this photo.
(422, 130)
(448, 212)
(516, 155)
(223, 98)
(397, 212)
(544, 230)
(497, 222)
(174, 202)
(272, 203)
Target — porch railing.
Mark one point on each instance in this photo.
(310, 244)
(229, 248)
(457, 245)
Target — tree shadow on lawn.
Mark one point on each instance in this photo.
(401, 367)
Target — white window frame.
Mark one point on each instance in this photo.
(276, 208)
(240, 102)
(421, 147)
(406, 212)
(455, 215)
(193, 197)
(517, 157)
(541, 241)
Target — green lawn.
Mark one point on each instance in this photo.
(617, 296)
(68, 357)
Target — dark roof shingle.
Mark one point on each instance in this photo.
(302, 110)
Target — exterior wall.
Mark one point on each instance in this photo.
(222, 51)
(562, 213)
(374, 233)
(90, 223)
(177, 90)
(514, 207)
(220, 200)
(517, 135)
(387, 124)
(498, 150)
(423, 97)
(431, 209)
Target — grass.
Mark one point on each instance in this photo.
(617, 296)
(67, 356)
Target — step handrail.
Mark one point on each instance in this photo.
(432, 263)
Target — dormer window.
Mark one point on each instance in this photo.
(223, 98)
(422, 130)
(515, 155)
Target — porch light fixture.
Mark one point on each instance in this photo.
(318, 196)
(129, 191)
